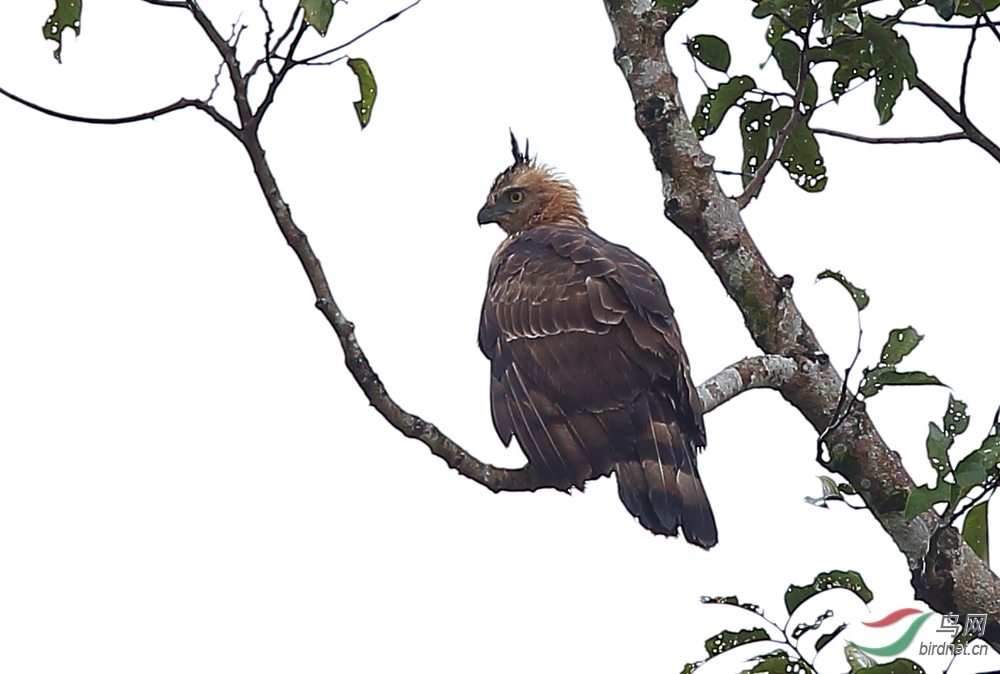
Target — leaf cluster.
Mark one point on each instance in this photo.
(788, 658)
(856, 36)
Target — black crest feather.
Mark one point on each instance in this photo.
(520, 158)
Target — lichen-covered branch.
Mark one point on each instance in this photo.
(946, 573)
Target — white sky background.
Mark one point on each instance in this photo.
(190, 480)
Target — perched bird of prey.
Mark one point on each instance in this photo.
(588, 371)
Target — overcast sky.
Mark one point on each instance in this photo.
(190, 480)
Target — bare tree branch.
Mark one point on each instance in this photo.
(963, 122)
(228, 54)
(754, 186)
(947, 574)
(750, 373)
(892, 141)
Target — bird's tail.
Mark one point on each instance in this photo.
(660, 484)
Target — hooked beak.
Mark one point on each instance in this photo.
(487, 214)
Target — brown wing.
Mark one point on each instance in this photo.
(589, 374)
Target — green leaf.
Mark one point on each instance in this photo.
(778, 662)
(893, 64)
(66, 15)
(830, 488)
(900, 344)
(956, 419)
(938, 445)
(923, 497)
(944, 8)
(368, 90)
(825, 640)
(788, 55)
(968, 7)
(675, 7)
(897, 666)
(875, 380)
(803, 628)
(714, 105)
(732, 601)
(857, 659)
(726, 640)
(849, 580)
(318, 13)
(710, 50)
(691, 666)
(969, 473)
(975, 531)
(990, 449)
(755, 127)
(801, 157)
(859, 295)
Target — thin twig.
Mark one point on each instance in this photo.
(754, 186)
(384, 21)
(965, 67)
(959, 26)
(228, 54)
(152, 114)
(268, 34)
(892, 141)
(279, 77)
(288, 31)
(167, 3)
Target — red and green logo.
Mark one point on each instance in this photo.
(903, 642)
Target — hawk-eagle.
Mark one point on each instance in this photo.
(588, 370)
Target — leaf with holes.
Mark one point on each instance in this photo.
(956, 419)
(710, 50)
(714, 105)
(976, 532)
(755, 129)
(857, 659)
(803, 628)
(778, 662)
(368, 90)
(66, 15)
(691, 666)
(732, 600)
(726, 640)
(923, 497)
(318, 13)
(795, 595)
(900, 344)
(897, 666)
(893, 64)
(859, 295)
(800, 156)
(938, 445)
(875, 379)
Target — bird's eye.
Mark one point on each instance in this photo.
(516, 197)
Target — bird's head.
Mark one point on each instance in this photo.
(528, 194)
